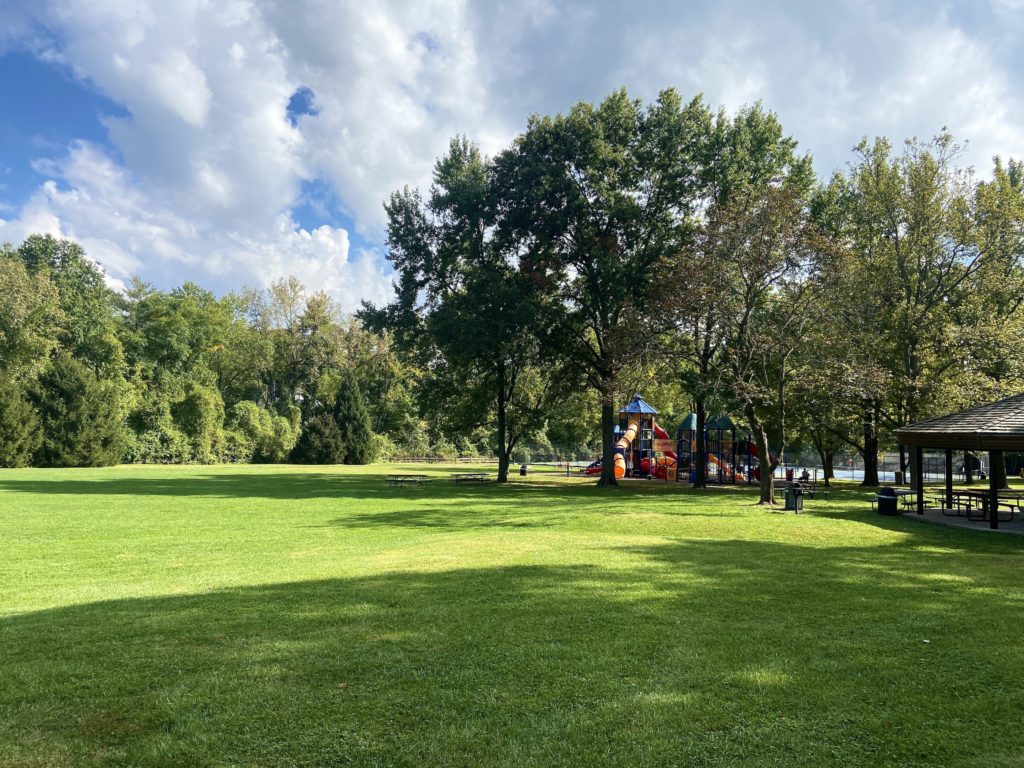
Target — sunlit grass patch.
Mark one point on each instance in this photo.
(315, 616)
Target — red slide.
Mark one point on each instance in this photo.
(754, 451)
(662, 464)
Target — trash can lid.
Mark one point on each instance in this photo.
(888, 491)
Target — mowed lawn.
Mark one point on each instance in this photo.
(280, 616)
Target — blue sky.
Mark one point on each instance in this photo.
(236, 142)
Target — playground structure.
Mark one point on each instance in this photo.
(643, 449)
(731, 456)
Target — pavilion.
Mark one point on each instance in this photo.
(996, 428)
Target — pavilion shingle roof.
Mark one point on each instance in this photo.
(996, 426)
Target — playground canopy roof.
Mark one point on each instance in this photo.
(997, 426)
(722, 421)
(638, 405)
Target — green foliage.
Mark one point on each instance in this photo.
(354, 422)
(164, 444)
(415, 441)
(618, 247)
(384, 448)
(80, 416)
(30, 317)
(153, 437)
(272, 436)
(200, 416)
(444, 449)
(320, 442)
(238, 447)
(89, 330)
(20, 436)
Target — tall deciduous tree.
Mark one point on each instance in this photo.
(774, 258)
(739, 155)
(460, 300)
(30, 317)
(591, 204)
(912, 221)
(89, 330)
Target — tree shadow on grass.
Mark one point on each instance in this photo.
(277, 484)
(703, 652)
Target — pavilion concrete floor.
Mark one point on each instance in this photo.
(936, 517)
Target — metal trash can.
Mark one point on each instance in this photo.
(887, 501)
(523, 470)
(794, 497)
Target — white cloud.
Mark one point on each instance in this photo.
(212, 156)
(946, 76)
(205, 170)
(98, 204)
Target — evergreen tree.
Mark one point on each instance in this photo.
(320, 442)
(354, 422)
(20, 436)
(80, 416)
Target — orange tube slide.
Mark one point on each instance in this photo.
(620, 458)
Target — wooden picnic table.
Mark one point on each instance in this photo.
(812, 488)
(469, 477)
(408, 479)
(973, 504)
(905, 496)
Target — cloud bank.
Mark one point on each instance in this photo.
(206, 171)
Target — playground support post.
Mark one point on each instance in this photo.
(608, 419)
(701, 470)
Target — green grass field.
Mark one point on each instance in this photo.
(281, 616)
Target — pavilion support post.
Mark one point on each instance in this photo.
(919, 477)
(949, 478)
(993, 489)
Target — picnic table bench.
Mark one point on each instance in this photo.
(973, 504)
(469, 477)
(408, 479)
(811, 488)
(905, 496)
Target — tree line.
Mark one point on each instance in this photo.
(667, 248)
(621, 243)
(90, 376)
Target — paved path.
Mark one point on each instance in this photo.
(935, 516)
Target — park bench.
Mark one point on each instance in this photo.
(408, 479)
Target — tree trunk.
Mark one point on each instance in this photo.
(607, 441)
(968, 468)
(870, 454)
(901, 475)
(828, 465)
(764, 461)
(701, 478)
(503, 452)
